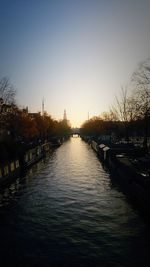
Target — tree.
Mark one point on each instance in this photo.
(141, 79)
(7, 91)
(110, 115)
(20, 126)
(125, 109)
(121, 108)
(62, 128)
(93, 127)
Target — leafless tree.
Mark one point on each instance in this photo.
(7, 91)
(120, 108)
(141, 76)
(111, 115)
(141, 79)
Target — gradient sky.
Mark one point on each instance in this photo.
(75, 53)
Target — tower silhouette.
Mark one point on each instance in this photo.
(65, 116)
(43, 106)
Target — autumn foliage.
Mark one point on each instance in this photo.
(22, 126)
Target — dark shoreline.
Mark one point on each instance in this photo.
(129, 168)
(13, 168)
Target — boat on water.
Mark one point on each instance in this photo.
(130, 168)
(8, 171)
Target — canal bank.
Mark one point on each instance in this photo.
(129, 166)
(15, 165)
(67, 212)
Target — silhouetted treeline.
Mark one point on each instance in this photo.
(96, 126)
(18, 127)
(130, 114)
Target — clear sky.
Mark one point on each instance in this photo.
(75, 53)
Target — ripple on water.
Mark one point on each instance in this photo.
(66, 212)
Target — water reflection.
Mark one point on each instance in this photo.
(7, 194)
(66, 211)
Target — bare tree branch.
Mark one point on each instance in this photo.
(7, 91)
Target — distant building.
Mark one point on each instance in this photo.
(25, 110)
(34, 115)
(65, 116)
(5, 108)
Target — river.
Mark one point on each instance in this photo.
(66, 211)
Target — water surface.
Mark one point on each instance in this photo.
(67, 212)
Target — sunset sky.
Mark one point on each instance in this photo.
(74, 53)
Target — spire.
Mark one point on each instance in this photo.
(43, 106)
(65, 115)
